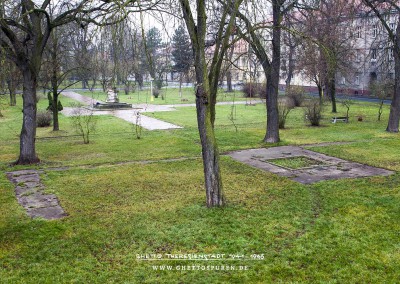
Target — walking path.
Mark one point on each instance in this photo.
(30, 195)
(129, 115)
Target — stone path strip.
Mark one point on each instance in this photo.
(30, 195)
(328, 167)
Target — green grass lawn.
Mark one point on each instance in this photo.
(343, 231)
(167, 96)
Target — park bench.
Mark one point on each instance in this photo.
(340, 118)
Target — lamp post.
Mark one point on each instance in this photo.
(151, 89)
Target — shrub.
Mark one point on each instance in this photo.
(254, 90)
(43, 118)
(158, 83)
(285, 105)
(313, 112)
(156, 92)
(50, 107)
(250, 90)
(262, 90)
(297, 94)
(84, 123)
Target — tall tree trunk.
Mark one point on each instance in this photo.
(229, 81)
(272, 135)
(330, 92)
(28, 133)
(56, 126)
(320, 93)
(12, 90)
(212, 173)
(291, 66)
(180, 84)
(394, 116)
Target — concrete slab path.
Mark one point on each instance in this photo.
(30, 195)
(129, 115)
(326, 167)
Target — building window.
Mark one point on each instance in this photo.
(392, 26)
(391, 54)
(374, 54)
(374, 30)
(343, 81)
(357, 81)
(358, 55)
(358, 32)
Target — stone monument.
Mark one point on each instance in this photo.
(112, 96)
(112, 101)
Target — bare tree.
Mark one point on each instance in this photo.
(25, 27)
(270, 63)
(385, 10)
(207, 82)
(330, 45)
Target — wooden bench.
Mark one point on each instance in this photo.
(340, 118)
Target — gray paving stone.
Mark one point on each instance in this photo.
(29, 193)
(333, 168)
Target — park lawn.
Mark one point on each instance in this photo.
(340, 231)
(343, 231)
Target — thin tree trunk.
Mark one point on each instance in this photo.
(28, 133)
(320, 93)
(332, 91)
(394, 116)
(210, 153)
(229, 81)
(56, 126)
(290, 67)
(180, 84)
(12, 90)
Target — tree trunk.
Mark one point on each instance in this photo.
(180, 84)
(213, 182)
(320, 93)
(28, 133)
(12, 89)
(290, 67)
(229, 81)
(330, 92)
(56, 126)
(272, 135)
(394, 116)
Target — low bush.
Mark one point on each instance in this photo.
(313, 112)
(285, 105)
(252, 90)
(156, 92)
(297, 94)
(43, 118)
